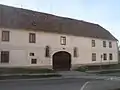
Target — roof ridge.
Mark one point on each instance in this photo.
(11, 19)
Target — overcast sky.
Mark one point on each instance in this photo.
(103, 12)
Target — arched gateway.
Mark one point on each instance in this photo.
(62, 61)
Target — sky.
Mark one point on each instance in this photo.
(103, 12)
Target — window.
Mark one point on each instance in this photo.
(4, 56)
(104, 43)
(104, 56)
(31, 54)
(93, 43)
(63, 40)
(5, 35)
(75, 52)
(32, 38)
(110, 44)
(93, 56)
(110, 56)
(33, 61)
(47, 51)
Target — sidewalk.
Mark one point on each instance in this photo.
(28, 76)
(94, 71)
(64, 75)
(76, 74)
(31, 74)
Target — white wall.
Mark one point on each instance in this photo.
(20, 48)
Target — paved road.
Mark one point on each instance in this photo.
(61, 84)
(101, 85)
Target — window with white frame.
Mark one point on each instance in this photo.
(93, 56)
(93, 43)
(104, 43)
(5, 36)
(31, 54)
(63, 40)
(110, 44)
(104, 56)
(4, 56)
(32, 38)
(110, 56)
(33, 61)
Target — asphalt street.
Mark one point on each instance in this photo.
(101, 85)
(60, 84)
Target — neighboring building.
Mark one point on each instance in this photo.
(34, 39)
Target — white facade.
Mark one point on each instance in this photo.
(19, 48)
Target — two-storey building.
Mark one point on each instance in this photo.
(34, 39)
